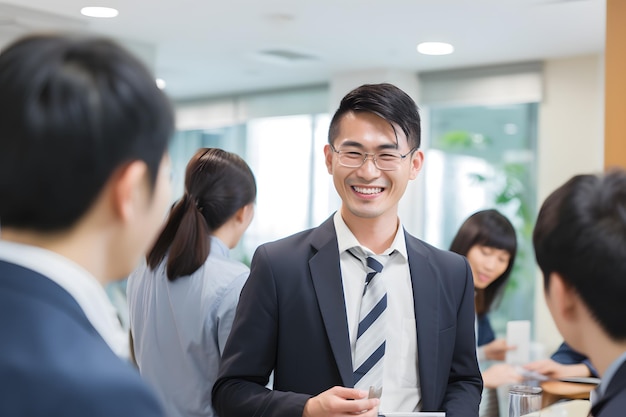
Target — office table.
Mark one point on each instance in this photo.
(573, 408)
(554, 391)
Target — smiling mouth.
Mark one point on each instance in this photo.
(368, 191)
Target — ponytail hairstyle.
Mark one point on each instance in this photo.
(217, 184)
(487, 228)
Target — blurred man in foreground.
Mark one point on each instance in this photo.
(84, 184)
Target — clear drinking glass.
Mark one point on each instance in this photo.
(524, 400)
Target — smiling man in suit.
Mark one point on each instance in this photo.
(356, 302)
(84, 185)
(580, 245)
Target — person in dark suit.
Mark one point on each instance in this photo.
(298, 314)
(84, 186)
(580, 246)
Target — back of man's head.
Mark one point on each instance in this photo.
(72, 111)
(581, 235)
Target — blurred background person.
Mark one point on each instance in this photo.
(182, 301)
(488, 240)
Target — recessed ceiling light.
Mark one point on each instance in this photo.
(160, 82)
(99, 11)
(435, 48)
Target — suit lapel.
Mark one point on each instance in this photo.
(426, 305)
(326, 276)
(615, 387)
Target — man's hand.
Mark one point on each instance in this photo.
(500, 374)
(496, 350)
(341, 401)
(553, 369)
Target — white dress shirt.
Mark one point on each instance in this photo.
(80, 284)
(401, 385)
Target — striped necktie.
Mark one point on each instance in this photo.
(370, 343)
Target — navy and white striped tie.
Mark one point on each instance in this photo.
(370, 343)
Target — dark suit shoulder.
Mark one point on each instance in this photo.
(614, 407)
(286, 260)
(442, 259)
(301, 246)
(428, 249)
(613, 403)
(113, 388)
(288, 243)
(70, 373)
(54, 363)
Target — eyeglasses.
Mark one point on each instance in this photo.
(385, 161)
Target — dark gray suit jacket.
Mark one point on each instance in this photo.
(613, 402)
(291, 319)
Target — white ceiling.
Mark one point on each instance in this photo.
(211, 48)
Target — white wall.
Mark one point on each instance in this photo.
(570, 141)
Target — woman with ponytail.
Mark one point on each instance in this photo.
(182, 300)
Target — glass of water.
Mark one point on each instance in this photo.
(524, 400)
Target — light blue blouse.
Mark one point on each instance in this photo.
(180, 328)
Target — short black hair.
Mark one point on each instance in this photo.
(73, 110)
(487, 228)
(580, 234)
(386, 101)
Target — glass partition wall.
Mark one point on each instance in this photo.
(482, 157)
(285, 154)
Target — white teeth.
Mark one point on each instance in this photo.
(368, 190)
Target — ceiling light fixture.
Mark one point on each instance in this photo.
(103, 12)
(435, 48)
(160, 82)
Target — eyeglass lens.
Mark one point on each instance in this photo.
(385, 161)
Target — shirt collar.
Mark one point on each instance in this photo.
(346, 239)
(80, 284)
(217, 246)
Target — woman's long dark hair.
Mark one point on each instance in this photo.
(217, 184)
(487, 228)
